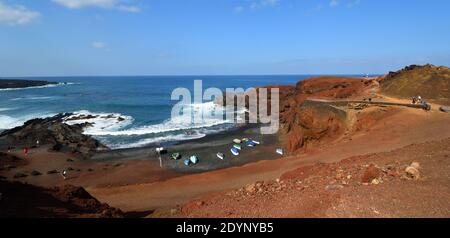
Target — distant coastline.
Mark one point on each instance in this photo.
(17, 83)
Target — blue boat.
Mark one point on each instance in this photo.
(250, 143)
(235, 151)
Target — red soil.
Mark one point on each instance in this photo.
(336, 190)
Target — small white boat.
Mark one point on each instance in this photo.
(221, 156)
(234, 151)
(280, 151)
(194, 159)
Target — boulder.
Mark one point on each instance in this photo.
(372, 172)
(35, 173)
(412, 172)
(20, 175)
(415, 165)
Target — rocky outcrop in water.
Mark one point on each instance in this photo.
(52, 131)
(13, 83)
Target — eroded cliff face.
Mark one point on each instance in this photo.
(307, 123)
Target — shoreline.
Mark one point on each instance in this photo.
(205, 148)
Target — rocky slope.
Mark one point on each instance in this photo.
(388, 184)
(27, 201)
(54, 132)
(429, 81)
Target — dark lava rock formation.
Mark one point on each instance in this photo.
(18, 200)
(54, 132)
(15, 83)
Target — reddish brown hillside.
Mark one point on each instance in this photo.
(429, 81)
(305, 123)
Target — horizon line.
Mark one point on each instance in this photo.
(184, 75)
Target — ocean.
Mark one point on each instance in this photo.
(142, 102)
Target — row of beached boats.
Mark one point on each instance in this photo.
(235, 150)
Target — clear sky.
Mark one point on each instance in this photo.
(203, 37)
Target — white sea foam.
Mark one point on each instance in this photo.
(35, 98)
(101, 122)
(37, 87)
(182, 122)
(162, 139)
(7, 122)
(4, 109)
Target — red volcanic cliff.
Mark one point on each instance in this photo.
(304, 123)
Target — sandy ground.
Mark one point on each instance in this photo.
(338, 189)
(404, 127)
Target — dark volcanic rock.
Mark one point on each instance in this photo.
(12, 83)
(54, 132)
(23, 200)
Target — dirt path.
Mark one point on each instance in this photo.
(406, 126)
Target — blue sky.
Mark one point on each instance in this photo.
(207, 37)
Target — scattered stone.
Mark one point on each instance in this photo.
(52, 172)
(20, 175)
(444, 109)
(250, 188)
(200, 203)
(334, 187)
(412, 172)
(371, 173)
(393, 173)
(35, 173)
(415, 165)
